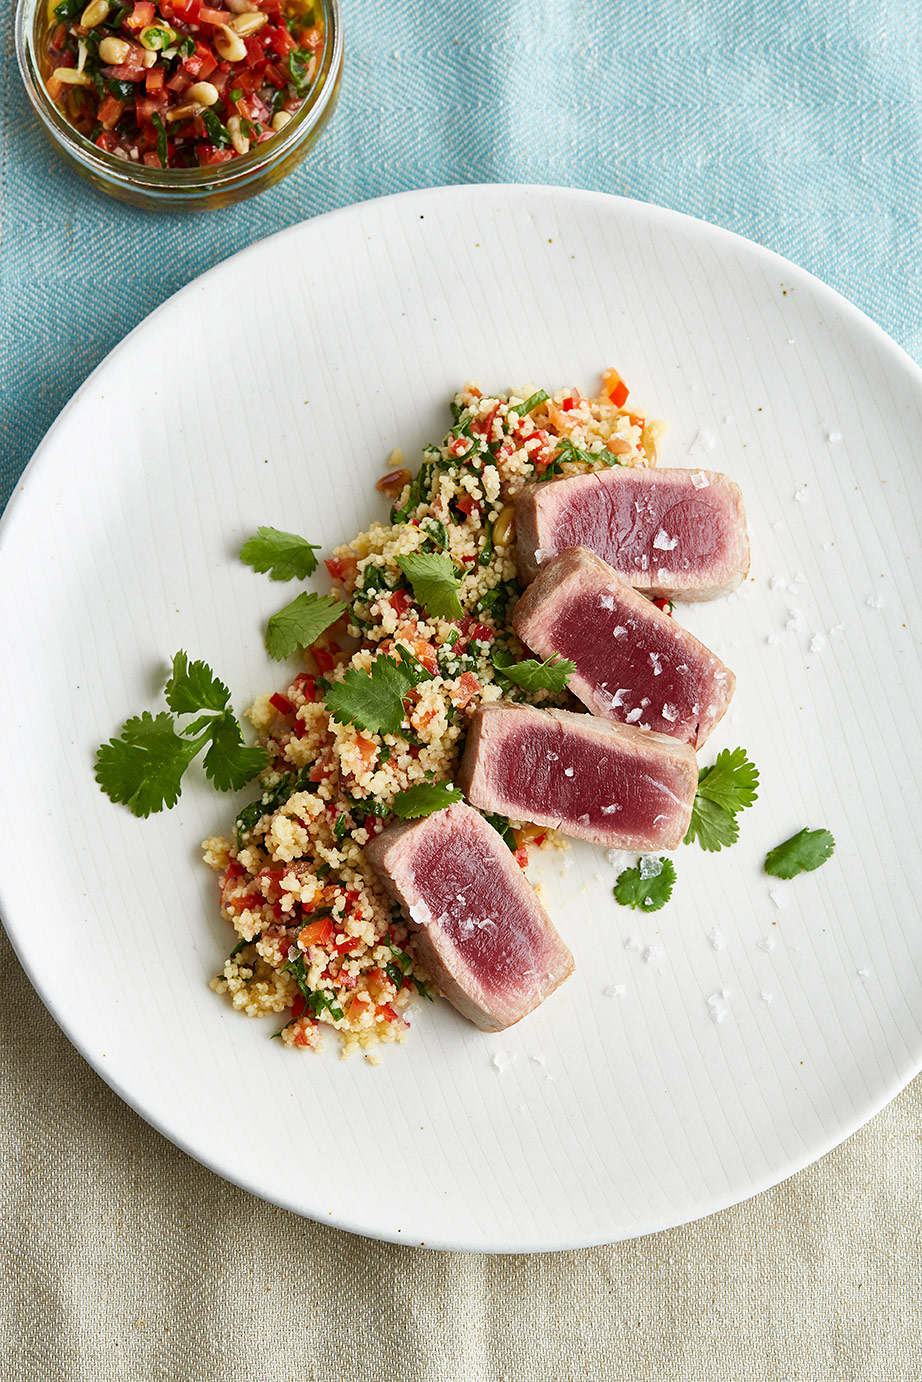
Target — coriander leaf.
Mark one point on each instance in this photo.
(285, 556)
(301, 623)
(551, 675)
(567, 450)
(731, 782)
(711, 825)
(645, 894)
(802, 853)
(230, 763)
(424, 798)
(194, 686)
(724, 789)
(373, 700)
(435, 585)
(143, 767)
(162, 148)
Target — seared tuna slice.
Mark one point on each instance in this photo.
(634, 664)
(610, 784)
(480, 930)
(672, 534)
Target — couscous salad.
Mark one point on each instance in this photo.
(422, 638)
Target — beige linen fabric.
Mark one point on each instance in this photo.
(124, 1259)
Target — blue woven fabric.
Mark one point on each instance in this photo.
(794, 122)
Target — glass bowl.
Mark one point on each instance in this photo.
(193, 188)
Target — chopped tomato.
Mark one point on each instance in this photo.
(466, 504)
(153, 81)
(342, 568)
(208, 154)
(390, 1013)
(298, 1006)
(312, 39)
(206, 15)
(400, 601)
(468, 687)
(316, 932)
(109, 111)
(664, 605)
(234, 870)
(615, 387)
(324, 659)
(521, 857)
(306, 685)
(142, 15)
(282, 704)
(368, 752)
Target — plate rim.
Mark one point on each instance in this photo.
(442, 195)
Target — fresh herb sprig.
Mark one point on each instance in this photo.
(142, 768)
(373, 700)
(724, 789)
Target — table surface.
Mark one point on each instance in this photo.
(794, 123)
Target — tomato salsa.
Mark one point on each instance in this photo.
(177, 83)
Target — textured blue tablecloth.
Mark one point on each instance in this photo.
(794, 122)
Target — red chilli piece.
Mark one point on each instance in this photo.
(282, 704)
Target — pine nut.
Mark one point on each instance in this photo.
(240, 142)
(203, 92)
(230, 46)
(504, 526)
(184, 112)
(248, 24)
(280, 119)
(71, 77)
(94, 13)
(114, 51)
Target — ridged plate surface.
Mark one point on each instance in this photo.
(696, 1056)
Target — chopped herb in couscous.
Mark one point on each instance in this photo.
(417, 636)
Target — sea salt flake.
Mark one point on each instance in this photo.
(653, 954)
(633, 943)
(833, 436)
(777, 896)
(715, 939)
(663, 542)
(795, 620)
(651, 866)
(618, 630)
(768, 944)
(542, 554)
(633, 715)
(700, 480)
(610, 810)
(778, 583)
(801, 495)
(766, 997)
(502, 1060)
(656, 664)
(670, 713)
(568, 772)
(875, 602)
(606, 602)
(614, 990)
(864, 974)
(718, 1011)
(817, 643)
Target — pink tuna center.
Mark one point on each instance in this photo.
(639, 528)
(584, 780)
(637, 673)
(474, 907)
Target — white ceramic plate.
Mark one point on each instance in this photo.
(697, 1055)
